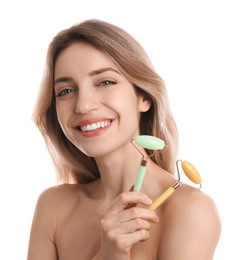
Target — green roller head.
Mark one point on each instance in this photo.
(150, 142)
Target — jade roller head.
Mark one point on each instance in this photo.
(190, 171)
(147, 142)
(150, 142)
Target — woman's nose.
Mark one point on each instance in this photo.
(86, 101)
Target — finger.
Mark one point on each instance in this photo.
(130, 220)
(126, 227)
(128, 240)
(115, 221)
(130, 205)
(135, 224)
(128, 199)
(138, 213)
(125, 199)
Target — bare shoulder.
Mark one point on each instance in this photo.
(58, 197)
(191, 218)
(52, 206)
(188, 200)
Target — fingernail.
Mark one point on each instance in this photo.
(148, 200)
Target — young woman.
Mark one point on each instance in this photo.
(99, 92)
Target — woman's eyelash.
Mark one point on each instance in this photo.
(64, 92)
(106, 83)
(67, 91)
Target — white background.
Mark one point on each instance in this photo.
(200, 48)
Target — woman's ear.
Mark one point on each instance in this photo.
(144, 103)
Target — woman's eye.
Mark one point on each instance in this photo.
(64, 92)
(106, 83)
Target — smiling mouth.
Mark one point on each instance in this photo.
(94, 126)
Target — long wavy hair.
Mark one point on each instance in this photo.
(129, 56)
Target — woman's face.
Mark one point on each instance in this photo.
(97, 107)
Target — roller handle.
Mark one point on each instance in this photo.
(162, 198)
(140, 178)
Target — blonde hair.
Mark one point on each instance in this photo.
(132, 60)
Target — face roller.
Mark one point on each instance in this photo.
(190, 171)
(154, 143)
(147, 142)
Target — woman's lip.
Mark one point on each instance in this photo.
(89, 131)
(94, 126)
(91, 121)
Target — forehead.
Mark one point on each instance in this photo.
(81, 54)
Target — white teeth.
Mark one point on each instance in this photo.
(88, 127)
(94, 126)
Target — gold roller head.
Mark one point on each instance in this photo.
(190, 171)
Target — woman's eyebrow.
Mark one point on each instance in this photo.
(92, 73)
(62, 79)
(101, 70)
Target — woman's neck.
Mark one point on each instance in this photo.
(118, 171)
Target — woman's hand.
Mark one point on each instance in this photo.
(124, 226)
